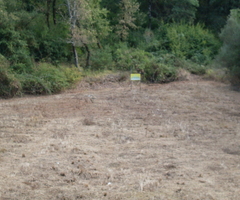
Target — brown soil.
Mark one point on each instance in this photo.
(108, 141)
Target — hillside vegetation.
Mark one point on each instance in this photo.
(46, 46)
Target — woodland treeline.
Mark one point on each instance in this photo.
(45, 45)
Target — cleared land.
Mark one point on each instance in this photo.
(108, 141)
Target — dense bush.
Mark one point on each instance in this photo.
(140, 61)
(170, 59)
(14, 48)
(130, 59)
(44, 79)
(33, 85)
(10, 86)
(159, 73)
(102, 59)
(192, 42)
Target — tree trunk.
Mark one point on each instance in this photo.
(75, 56)
(150, 14)
(73, 25)
(54, 12)
(48, 12)
(98, 43)
(88, 55)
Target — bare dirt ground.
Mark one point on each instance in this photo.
(108, 141)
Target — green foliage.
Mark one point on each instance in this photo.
(184, 10)
(192, 42)
(102, 59)
(34, 85)
(10, 86)
(72, 75)
(214, 13)
(230, 50)
(155, 38)
(176, 62)
(47, 44)
(169, 11)
(13, 47)
(194, 68)
(12, 44)
(229, 54)
(140, 61)
(126, 18)
(130, 59)
(48, 79)
(159, 73)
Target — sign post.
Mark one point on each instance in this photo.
(136, 77)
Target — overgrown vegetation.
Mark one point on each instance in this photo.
(154, 38)
(43, 79)
(230, 50)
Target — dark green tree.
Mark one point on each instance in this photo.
(214, 13)
(230, 50)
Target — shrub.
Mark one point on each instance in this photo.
(192, 42)
(160, 73)
(170, 59)
(102, 59)
(10, 86)
(130, 59)
(72, 75)
(53, 76)
(48, 79)
(33, 85)
(14, 48)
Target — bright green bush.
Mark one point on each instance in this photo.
(129, 59)
(72, 74)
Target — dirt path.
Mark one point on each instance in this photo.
(165, 142)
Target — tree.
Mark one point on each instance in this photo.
(88, 23)
(230, 50)
(126, 18)
(12, 45)
(51, 8)
(214, 13)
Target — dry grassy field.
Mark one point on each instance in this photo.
(176, 141)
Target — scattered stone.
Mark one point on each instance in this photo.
(62, 174)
